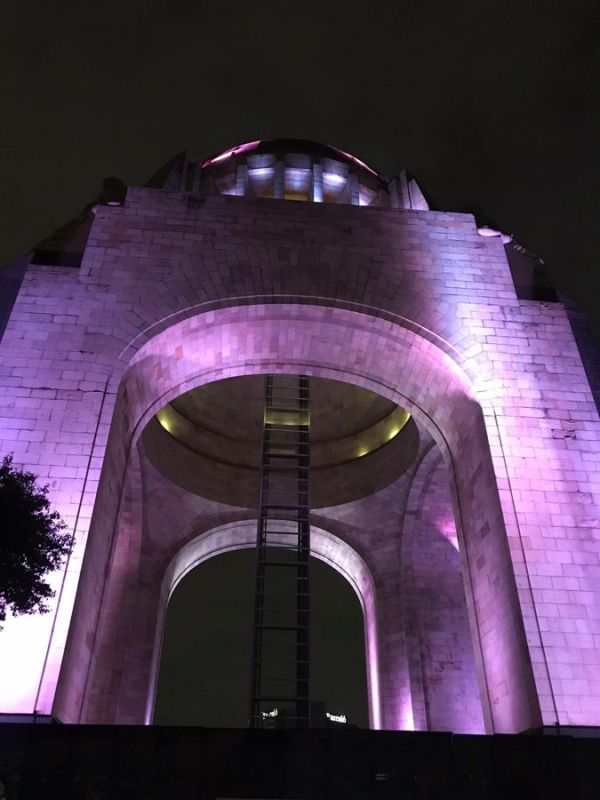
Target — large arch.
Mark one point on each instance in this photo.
(242, 535)
(388, 357)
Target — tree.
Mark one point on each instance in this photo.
(32, 542)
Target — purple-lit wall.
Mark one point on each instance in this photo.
(411, 304)
(443, 676)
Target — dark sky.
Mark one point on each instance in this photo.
(488, 104)
(492, 105)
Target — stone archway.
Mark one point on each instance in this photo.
(324, 546)
(384, 356)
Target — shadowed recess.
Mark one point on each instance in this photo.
(208, 441)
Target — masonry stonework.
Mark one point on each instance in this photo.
(483, 558)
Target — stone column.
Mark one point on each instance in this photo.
(279, 180)
(241, 180)
(317, 182)
(353, 194)
(394, 675)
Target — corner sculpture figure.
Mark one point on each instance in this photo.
(454, 475)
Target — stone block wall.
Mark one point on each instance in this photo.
(443, 676)
(162, 260)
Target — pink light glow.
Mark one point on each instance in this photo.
(372, 664)
(405, 719)
(31, 646)
(241, 148)
(23, 643)
(447, 528)
(358, 161)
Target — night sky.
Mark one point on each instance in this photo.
(490, 105)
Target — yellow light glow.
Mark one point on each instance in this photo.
(286, 418)
(394, 432)
(362, 451)
(163, 419)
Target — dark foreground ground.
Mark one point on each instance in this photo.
(151, 763)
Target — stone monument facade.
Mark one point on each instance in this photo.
(456, 480)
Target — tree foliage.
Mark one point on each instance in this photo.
(32, 542)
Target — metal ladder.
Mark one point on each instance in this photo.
(280, 662)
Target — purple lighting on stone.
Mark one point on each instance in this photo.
(234, 151)
(497, 633)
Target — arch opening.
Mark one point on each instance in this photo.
(241, 536)
(205, 658)
(208, 441)
(328, 343)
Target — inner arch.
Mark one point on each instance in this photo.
(205, 660)
(391, 358)
(324, 546)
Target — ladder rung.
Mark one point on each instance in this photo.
(281, 627)
(294, 405)
(300, 563)
(288, 699)
(286, 455)
(291, 475)
(297, 506)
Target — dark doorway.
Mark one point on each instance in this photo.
(204, 674)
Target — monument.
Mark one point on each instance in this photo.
(454, 439)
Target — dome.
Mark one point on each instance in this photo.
(281, 169)
(314, 150)
(295, 169)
